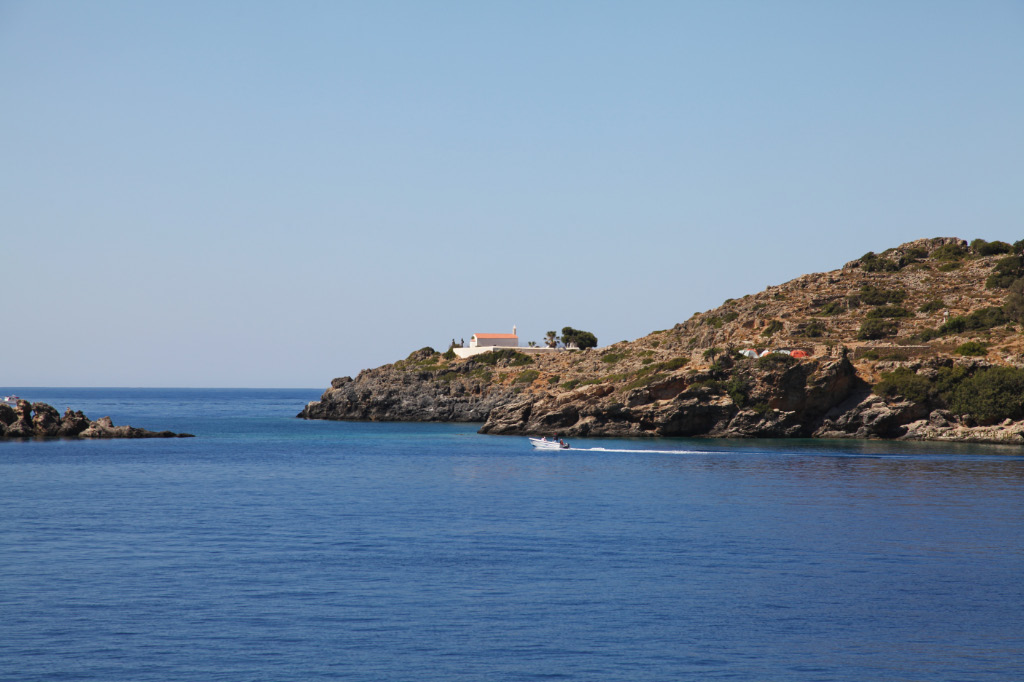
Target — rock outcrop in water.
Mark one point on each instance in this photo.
(920, 342)
(39, 420)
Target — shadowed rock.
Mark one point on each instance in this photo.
(39, 420)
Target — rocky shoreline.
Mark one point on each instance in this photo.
(815, 399)
(924, 341)
(411, 392)
(39, 420)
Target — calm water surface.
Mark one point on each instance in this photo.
(270, 548)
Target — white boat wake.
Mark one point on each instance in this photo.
(652, 452)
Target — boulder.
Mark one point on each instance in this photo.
(45, 420)
(871, 417)
(72, 424)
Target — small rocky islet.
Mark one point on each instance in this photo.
(919, 342)
(27, 420)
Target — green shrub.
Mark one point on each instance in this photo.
(978, 320)
(514, 357)
(775, 361)
(571, 384)
(642, 381)
(671, 365)
(876, 329)
(946, 382)
(449, 354)
(813, 329)
(949, 267)
(870, 262)
(888, 311)
(984, 248)
(871, 355)
(738, 390)
(773, 327)
(1014, 305)
(972, 348)
(991, 395)
(709, 384)
(905, 383)
(949, 252)
(1005, 272)
(527, 376)
(717, 368)
(660, 369)
(612, 358)
(932, 306)
(872, 295)
(483, 374)
(999, 280)
(936, 391)
(833, 308)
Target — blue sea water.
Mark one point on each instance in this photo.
(271, 548)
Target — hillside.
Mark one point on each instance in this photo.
(901, 344)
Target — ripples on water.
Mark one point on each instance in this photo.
(270, 548)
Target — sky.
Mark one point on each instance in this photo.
(274, 194)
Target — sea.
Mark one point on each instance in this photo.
(270, 548)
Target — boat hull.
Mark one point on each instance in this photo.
(548, 444)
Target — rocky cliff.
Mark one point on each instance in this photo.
(423, 387)
(39, 420)
(922, 341)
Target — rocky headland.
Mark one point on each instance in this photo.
(920, 342)
(39, 420)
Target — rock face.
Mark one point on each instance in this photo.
(869, 416)
(412, 391)
(790, 401)
(39, 420)
(801, 359)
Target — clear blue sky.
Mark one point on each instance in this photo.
(275, 194)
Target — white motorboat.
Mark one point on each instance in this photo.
(545, 444)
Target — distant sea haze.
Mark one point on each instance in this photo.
(275, 548)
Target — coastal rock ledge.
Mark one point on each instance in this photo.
(39, 420)
(412, 390)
